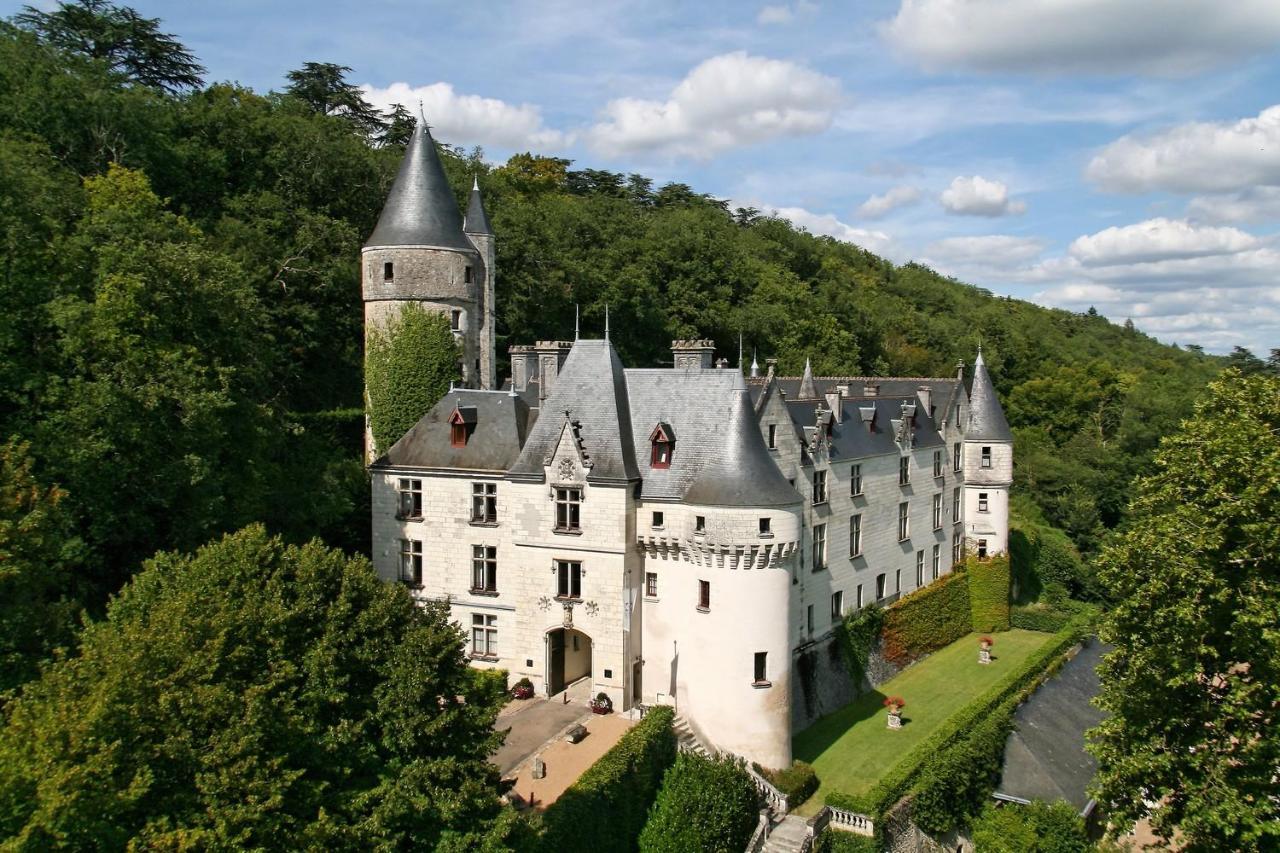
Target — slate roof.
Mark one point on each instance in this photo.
(719, 458)
(477, 220)
(851, 439)
(592, 386)
(944, 387)
(420, 209)
(501, 423)
(986, 417)
(1045, 756)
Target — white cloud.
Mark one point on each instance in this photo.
(1194, 157)
(727, 101)
(827, 225)
(1256, 204)
(1158, 240)
(991, 252)
(784, 14)
(1165, 37)
(470, 119)
(976, 196)
(879, 205)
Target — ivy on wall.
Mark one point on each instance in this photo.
(928, 619)
(856, 635)
(409, 366)
(989, 592)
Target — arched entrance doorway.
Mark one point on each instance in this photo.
(568, 658)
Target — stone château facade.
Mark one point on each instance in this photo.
(671, 535)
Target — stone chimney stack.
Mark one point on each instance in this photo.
(694, 354)
(771, 367)
(722, 363)
(870, 389)
(551, 356)
(524, 366)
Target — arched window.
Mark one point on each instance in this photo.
(663, 441)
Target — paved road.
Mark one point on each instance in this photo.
(532, 726)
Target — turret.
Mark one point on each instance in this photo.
(988, 467)
(480, 233)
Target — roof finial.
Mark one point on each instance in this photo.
(576, 330)
(739, 350)
(422, 115)
(755, 368)
(606, 321)
(475, 182)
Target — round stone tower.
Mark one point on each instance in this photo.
(988, 468)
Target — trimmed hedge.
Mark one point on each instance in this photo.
(926, 620)
(839, 841)
(705, 804)
(606, 809)
(798, 782)
(1036, 618)
(905, 775)
(989, 592)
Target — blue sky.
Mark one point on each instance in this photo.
(1117, 153)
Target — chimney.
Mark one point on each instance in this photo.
(771, 367)
(551, 356)
(871, 389)
(868, 416)
(722, 363)
(925, 393)
(524, 366)
(695, 354)
(843, 390)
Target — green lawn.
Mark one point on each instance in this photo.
(851, 748)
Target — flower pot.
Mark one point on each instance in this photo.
(895, 720)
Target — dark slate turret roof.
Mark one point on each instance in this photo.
(807, 389)
(420, 209)
(986, 418)
(476, 220)
(501, 423)
(592, 386)
(719, 458)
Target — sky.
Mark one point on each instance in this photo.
(1120, 154)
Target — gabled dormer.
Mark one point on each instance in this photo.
(662, 442)
(462, 423)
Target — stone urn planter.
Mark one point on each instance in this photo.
(984, 649)
(523, 689)
(602, 704)
(894, 705)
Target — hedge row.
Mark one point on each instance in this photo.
(900, 780)
(704, 804)
(798, 782)
(839, 841)
(928, 619)
(1036, 618)
(989, 592)
(606, 809)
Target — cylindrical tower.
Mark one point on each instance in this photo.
(988, 468)
(478, 231)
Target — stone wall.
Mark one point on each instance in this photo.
(901, 835)
(822, 683)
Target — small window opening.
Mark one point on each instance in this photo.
(761, 668)
(388, 271)
(773, 436)
(700, 524)
(765, 524)
(455, 320)
(466, 275)
(657, 519)
(704, 595)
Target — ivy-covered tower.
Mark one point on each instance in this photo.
(421, 251)
(988, 467)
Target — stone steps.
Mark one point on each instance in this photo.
(686, 739)
(787, 835)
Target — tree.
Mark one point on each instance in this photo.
(1035, 828)
(127, 42)
(398, 126)
(706, 804)
(1194, 724)
(408, 367)
(256, 695)
(323, 87)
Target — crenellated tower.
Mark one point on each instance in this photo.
(988, 467)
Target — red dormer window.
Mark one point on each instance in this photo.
(663, 442)
(461, 424)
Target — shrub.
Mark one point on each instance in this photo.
(606, 808)
(1035, 828)
(1035, 617)
(839, 841)
(798, 782)
(989, 592)
(705, 804)
(927, 619)
(857, 634)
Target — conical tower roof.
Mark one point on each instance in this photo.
(741, 473)
(986, 417)
(808, 391)
(420, 209)
(476, 221)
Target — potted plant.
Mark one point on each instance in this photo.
(523, 689)
(602, 704)
(984, 649)
(895, 706)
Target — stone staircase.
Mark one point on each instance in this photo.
(789, 835)
(686, 738)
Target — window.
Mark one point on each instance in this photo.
(568, 509)
(761, 668)
(819, 547)
(819, 487)
(462, 422)
(568, 579)
(773, 441)
(808, 619)
(904, 521)
(700, 524)
(657, 520)
(859, 596)
(955, 504)
(855, 480)
(855, 535)
(937, 463)
(986, 457)
(662, 444)
(919, 568)
(484, 635)
(766, 524)
(388, 271)
(982, 549)
(937, 511)
(955, 456)
(982, 501)
(410, 495)
(956, 542)
(455, 320)
(466, 274)
(704, 595)
(411, 562)
(837, 605)
(937, 560)
(879, 586)
(484, 503)
(897, 580)
(904, 470)
(651, 584)
(484, 568)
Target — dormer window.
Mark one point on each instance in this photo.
(663, 441)
(388, 271)
(462, 423)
